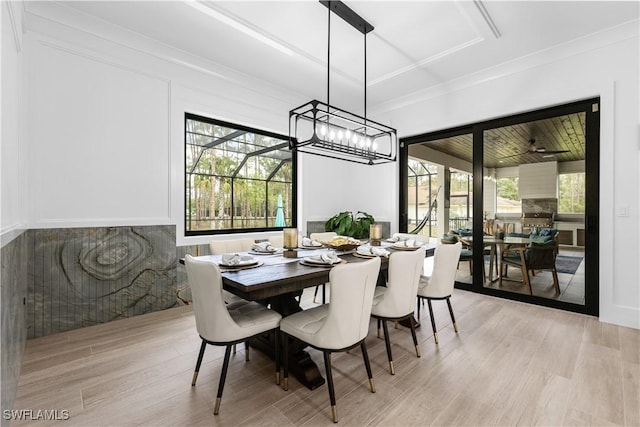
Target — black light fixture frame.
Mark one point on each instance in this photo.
(307, 122)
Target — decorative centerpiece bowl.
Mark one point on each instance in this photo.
(343, 243)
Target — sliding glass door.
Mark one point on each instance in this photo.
(521, 193)
(448, 160)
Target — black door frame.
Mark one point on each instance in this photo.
(591, 108)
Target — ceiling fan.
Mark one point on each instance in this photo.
(532, 148)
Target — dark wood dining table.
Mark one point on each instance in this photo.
(277, 282)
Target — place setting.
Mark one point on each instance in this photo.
(308, 243)
(406, 245)
(264, 248)
(326, 259)
(231, 262)
(368, 251)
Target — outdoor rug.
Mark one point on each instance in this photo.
(567, 264)
(564, 264)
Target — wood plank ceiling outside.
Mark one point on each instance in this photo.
(509, 145)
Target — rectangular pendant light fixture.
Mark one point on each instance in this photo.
(322, 129)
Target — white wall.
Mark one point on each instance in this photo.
(98, 105)
(330, 186)
(11, 94)
(98, 141)
(604, 65)
(114, 79)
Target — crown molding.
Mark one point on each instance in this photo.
(15, 27)
(44, 16)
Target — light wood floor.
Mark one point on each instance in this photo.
(511, 364)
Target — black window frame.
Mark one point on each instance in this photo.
(294, 179)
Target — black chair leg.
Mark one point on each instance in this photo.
(223, 377)
(285, 356)
(379, 325)
(367, 366)
(433, 321)
(277, 351)
(324, 294)
(419, 300)
(413, 334)
(387, 343)
(203, 346)
(315, 293)
(246, 351)
(453, 318)
(332, 393)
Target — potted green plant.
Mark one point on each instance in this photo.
(347, 224)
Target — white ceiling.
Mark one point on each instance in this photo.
(415, 44)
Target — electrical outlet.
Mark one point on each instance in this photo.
(623, 210)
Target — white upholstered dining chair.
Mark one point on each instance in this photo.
(218, 323)
(322, 237)
(230, 245)
(276, 241)
(440, 284)
(340, 325)
(219, 247)
(396, 300)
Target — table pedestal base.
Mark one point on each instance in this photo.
(301, 365)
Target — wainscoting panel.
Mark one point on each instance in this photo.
(85, 276)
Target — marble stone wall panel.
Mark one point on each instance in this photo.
(318, 227)
(85, 276)
(13, 289)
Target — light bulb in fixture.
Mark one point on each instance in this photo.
(374, 146)
(323, 130)
(340, 135)
(348, 134)
(368, 142)
(332, 135)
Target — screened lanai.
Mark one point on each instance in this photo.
(234, 177)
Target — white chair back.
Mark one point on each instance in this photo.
(405, 269)
(213, 321)
(407, 236)
(323, 237)
(277, 241)
(218, 247)
(352, 289)
(445, 265)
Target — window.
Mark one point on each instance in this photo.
(236, 178)
(507, 197)
(571, 191)
(461, 206)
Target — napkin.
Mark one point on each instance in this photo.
(263, 247)
(395, 238)
(409, 243)
(308, 242)
(231, 259)
(328, 257)
(373, 250)
(235, 259)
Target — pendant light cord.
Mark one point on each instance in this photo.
(328, 54)
(329, 65)
(365, 78)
